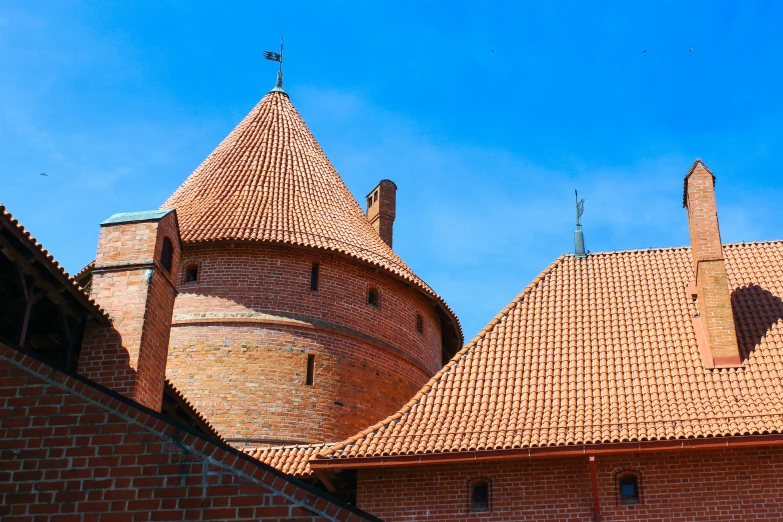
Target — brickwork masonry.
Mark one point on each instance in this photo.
(70, 451)
(731, 484)
(243, 332)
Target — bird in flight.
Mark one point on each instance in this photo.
(691, 48)
(43, 174)
(644, 51)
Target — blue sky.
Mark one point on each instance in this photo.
(486, 115)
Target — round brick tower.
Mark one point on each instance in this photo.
(295, 321)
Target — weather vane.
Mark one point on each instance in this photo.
(277, 57)
(579, 238)
(580, 208)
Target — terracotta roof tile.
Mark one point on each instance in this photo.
(87, 269)
(8, 220)
(601, 350)
(270, 181)
(181, 396)
(293, 460)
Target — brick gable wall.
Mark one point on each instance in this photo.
(242, 334)
(73, 452)
(731, 484)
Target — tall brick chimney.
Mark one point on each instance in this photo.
(382, 209)
(716, 317)
(134, 279)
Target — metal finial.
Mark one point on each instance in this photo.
(277, 57)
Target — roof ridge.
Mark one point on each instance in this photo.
(289, 446)
(446, 368)
(682, 247)
(746, 243)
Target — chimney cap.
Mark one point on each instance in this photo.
(688, 175)
(137, 217)
(379, 184)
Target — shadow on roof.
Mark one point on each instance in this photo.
(756, 312)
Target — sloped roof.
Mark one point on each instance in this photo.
(600, 350)
(47, 262)
(270, 181)
(291, 459)
(188, 410)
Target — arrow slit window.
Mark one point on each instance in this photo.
(310, 370)
(314, 277)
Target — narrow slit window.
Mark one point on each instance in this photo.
(314, 277)
(628, 486)
(310, 370)
(372, 297)
(419, 323)
(479, 497)
(166, 254)
(191, 274)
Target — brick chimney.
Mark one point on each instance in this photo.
(382, 209)
(716, 318)
(134, 280)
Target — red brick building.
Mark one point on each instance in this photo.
(261, 310)
(636, 385)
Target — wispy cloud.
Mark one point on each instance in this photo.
(479, 222)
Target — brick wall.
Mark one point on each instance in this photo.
(71, 452)
(242, 334)
(250, 381)
(731, 484)
(138, 293)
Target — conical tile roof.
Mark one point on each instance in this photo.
(270, 181)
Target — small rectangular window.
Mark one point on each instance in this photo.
(314, 277)
(629, 489)
(480, 497)
(372, 297)
(310, 370)
(191, 274)
(419, 323)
